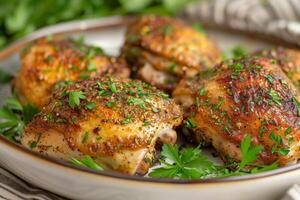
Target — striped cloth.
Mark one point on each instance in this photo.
(13, 188)
(277, 18)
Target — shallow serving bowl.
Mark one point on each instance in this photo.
(78, 183)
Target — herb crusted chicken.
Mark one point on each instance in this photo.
(250, 97)
(164, 49)
(116, 121)
(54, 61)
(288, 60)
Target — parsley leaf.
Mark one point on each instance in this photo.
(14, 117)
(275, 96)
(187, 164)
(249, 152)
(90, 105)
(75, 97)
(86, 161)
(189, 123)
(190, 163)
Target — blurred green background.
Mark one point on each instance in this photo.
(21, 17)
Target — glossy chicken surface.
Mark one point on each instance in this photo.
(244, 97)
(288, 59)
(116, 121)
(51, 62)
(164, 49)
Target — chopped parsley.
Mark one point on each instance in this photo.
(92, 67)
(282, 151)
(75, 97)
(34, 143)
(202, 91)
(276, 138)
(275, 96)
(269, 78)
(163, 95)
(84, 76)
(103, 93)
(288, 131)
(90, 105)
(112, 87)
(85, 137)
(189, 123)
(110, 104)
(128, 119)
(297, 104)
(136, 101)
(237, 68)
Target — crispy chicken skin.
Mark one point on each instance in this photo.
(243, 97)
(288, 59)
(117, 122)
(164, 49)
(50, 62)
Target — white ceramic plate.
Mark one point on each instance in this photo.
(78, 183)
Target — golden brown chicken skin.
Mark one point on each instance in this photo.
(165, 49)
(243, 97)
(50, 62)
(116, 121)
(288, 59)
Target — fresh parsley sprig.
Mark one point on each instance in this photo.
(187, 164)
(190, 163)
(13, 118)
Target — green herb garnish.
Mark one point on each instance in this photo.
(190, 163)
(13, 118)
(86, 161)
(75, 97)
(269, 78)
(90, 105)
(189, 123)
(85, 137)
(275, 96)
(92, 67)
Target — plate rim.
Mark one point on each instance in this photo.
(105, 22)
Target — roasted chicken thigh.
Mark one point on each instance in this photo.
(288, 59)
(51, 62)
(116, 121)
(164, 49)
(239, 98)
